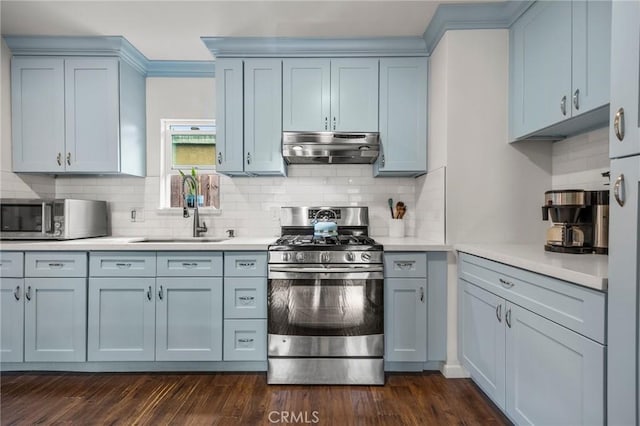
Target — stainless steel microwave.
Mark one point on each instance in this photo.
(60, 219)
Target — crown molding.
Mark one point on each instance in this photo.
(472, 16)
(264, 47)
(206, 69)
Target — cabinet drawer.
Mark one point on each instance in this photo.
(578, 308)
(245, 297)
(55, 264)
(245, 264)
(405, 265)
(11, 264)
(190, 264)
(122, 264)
(245, 340)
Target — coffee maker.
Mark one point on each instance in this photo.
(580, 221)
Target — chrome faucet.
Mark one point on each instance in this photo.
(197, 228)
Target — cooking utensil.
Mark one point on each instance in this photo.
(400, 209)
(391, 207)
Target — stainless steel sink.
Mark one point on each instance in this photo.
(180, 240)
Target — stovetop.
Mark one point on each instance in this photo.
(337, 243)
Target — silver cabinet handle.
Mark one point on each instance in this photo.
(28, 293)
(326, 123)
(245, 340)
(16, 293)
(576, 99)
(334, 123)
(149, 293)
(123, 265)
(248, 158)
(220, 158)
(422, 294)
(507, 317)
(189, 264)
(563, 105)
(246, 298)
(618, 190)
(506, 284)
(160, 293)
(618, 124)
(56, 265)
(68, 158)
(59, 159)
(382, 160)
(499, 312)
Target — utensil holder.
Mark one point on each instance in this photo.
(396, 228)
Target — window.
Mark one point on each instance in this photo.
(189, 148)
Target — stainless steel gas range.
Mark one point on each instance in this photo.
(325, 300)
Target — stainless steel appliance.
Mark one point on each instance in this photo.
(580, 221)
(52, 219)
(325, 300)
(330, 147)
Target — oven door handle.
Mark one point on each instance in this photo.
(342, 270)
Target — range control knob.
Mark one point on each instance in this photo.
(300, 257)
(286, 257)
(325, 257)
(366, 256)
(350, 256)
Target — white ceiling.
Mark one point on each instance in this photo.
(171, 30)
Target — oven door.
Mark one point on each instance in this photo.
(315, 310)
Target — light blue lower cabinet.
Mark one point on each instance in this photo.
(245, 340)
(553, 375)
(121, 319)
(405, 319)
(55, 325)
(189, 319)
(483, 340)
(245, 297)
(11, 319)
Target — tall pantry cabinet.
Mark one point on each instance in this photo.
(623, 364)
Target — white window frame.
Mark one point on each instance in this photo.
(166, 160)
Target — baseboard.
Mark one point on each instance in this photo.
(454, 371)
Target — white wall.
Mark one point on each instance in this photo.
(11, 184)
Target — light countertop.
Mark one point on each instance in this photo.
(236, 243)
(589, 270)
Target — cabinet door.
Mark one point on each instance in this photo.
(11, 319)
(483, 340)
(121, 319)
(55, 323)
(591, 50)
(624, 134)
(354, 95)
(263, 116)
(405, 319)
(553, 375)
(622, 312)
(189, 319)
(92, 115)
(403, 116)
(306, 94)
(540, 44)
(37, 120)
(229, 122)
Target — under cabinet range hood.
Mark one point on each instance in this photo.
(330, 147)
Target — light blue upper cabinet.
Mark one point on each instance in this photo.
(306, 94)
(263, 116)
(624, 133)
(78, 115)
(559, 70)
(91, 105)
(354, 95)
(229, 109)
(37, 98)
(330, 95)
(403, 117)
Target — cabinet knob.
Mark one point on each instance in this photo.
(618, 190)
(422, 294)
(149, 293)
(59, 159)
(68, 158)
(28, 293)
(160, 293)
(334, 123)
(16, 293)
(576, 99)
(563, 105)
(219, 158)
(382, 160)
(507, 317)
(248, 158)
(326, 123)
(499, 313)
(618, 124)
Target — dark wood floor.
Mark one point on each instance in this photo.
(238, 399)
